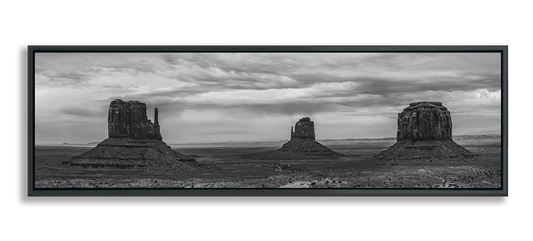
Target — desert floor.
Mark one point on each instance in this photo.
(227, 166)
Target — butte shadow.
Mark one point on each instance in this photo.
(134, 142)
(302, 145)
(424, 132)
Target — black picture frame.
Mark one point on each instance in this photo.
(503, 48)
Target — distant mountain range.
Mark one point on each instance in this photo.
(481, 133)
(476, 137)
(81, 144)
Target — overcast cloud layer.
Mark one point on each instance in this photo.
(212, 97)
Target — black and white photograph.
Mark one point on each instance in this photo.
(367, 120)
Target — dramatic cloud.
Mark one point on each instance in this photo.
(207, 97)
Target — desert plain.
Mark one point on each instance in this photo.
(236, 165)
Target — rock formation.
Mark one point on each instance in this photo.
(302, 144)
(128, 119)
(304, 129)
(425, 121)
(134, 142)
(424, 132)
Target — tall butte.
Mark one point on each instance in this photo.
(302, 144)
(127, 119)
(134, 141)
(424, 132)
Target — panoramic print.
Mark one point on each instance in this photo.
(268, 120)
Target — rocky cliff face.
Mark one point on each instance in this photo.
(425, 121)
(128, 119)
(304, 129)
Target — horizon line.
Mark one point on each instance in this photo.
(256, 141)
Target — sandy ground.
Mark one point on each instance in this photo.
(228, 167)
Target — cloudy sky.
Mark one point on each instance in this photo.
(212, 97)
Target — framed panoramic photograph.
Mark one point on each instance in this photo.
(267, 121)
